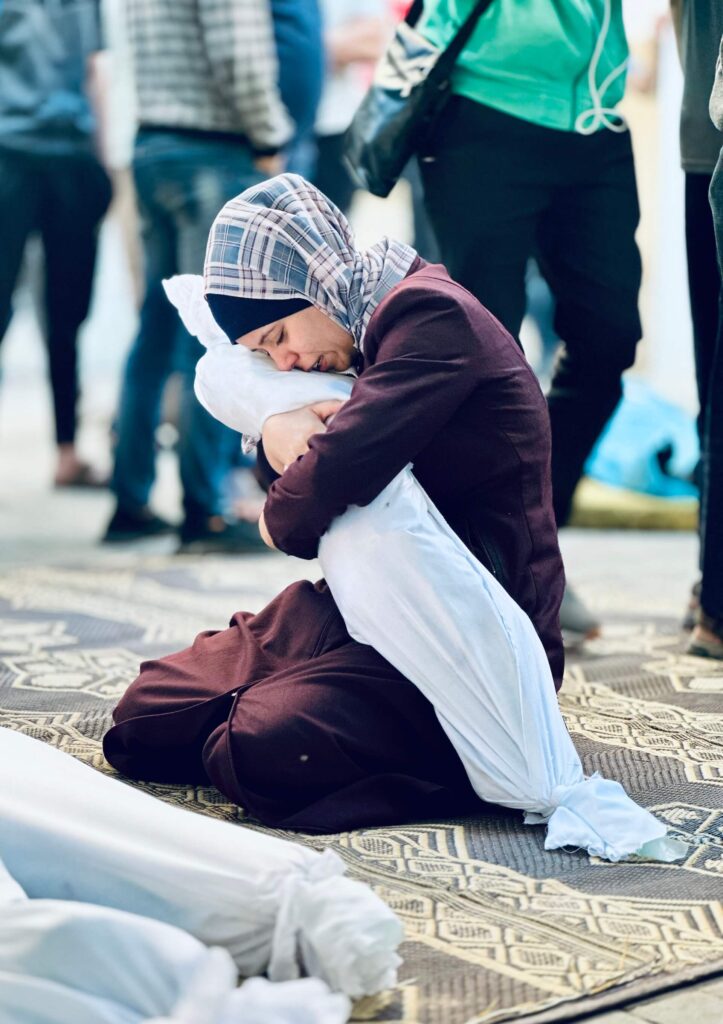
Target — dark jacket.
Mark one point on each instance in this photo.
(443, 386)
(300, 48)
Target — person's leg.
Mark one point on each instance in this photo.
(76, 195)
(703, 280)
(488, 185)
(711, 597)
(486, 188)
(207, 448)
(703, 287)
(162, 721)
(707, 637)
(342, 741)
(19, 201)
(213, 174)
(150, 360)
(590, 260)
(292, 719)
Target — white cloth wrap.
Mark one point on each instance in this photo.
(407, 586)
(307, 1001)
(116, 964)
(242, 388)
(63, 962)
(209, 1001)
(10, 891)
(69, 832)
(449, 626)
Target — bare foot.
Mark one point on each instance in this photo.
(73, 472)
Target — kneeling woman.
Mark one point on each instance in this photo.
(283, 711)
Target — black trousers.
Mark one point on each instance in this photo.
(708, 328)
(500, 189)
(64, 199)
(703, 281)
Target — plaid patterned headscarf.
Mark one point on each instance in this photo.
(284, 239)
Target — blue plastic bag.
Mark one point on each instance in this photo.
(649, 445)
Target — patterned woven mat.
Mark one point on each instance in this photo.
(497, 928)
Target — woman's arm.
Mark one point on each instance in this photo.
(428, 364)
(286, 435)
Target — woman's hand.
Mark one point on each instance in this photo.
(286, 435)
(269, 165)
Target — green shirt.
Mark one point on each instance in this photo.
(532, 58)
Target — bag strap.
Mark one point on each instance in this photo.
(414, 13)
(460, 40)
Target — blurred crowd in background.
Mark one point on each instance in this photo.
(111, 174)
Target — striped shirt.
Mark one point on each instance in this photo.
(208, 65)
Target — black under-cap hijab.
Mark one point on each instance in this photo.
(237, 316)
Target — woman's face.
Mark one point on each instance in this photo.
(307, 340)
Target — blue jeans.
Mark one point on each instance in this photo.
(182, 181)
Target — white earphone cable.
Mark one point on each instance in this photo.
(598, 115)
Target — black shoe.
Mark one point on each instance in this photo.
(706, 641)
(216, 535)
(128, 524)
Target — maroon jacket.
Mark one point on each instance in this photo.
(445, 387)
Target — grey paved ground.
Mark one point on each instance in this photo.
(42, 526)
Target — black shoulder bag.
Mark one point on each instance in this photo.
(411, 85)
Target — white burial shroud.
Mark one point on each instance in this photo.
(407, 586)
(69, 832)
(63, 962)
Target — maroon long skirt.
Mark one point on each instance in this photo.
(292, 719)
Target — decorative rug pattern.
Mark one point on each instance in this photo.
(497, 928)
